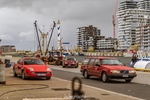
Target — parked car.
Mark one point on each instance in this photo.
(31, 67)
(70, 62)
(106, 68)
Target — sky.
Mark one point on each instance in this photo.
(17, 18)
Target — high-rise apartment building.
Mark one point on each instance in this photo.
(143, 37)
(91, 36)
(88, 36)
(131, 14)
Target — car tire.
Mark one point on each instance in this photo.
(76, 66)
(23, 76)
(128, 80)
(48, 78)
(104, 77)
(63, 66)
(86, 75)
(14, 73)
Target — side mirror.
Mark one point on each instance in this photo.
(21, 63)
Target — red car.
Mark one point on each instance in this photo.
(106, 68)
(31, 67)
(70, 62)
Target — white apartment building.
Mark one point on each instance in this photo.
(131, 14)
(106, 44)
(144, 4)
(143, 37)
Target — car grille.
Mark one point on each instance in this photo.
(40, 72)
(124, 72)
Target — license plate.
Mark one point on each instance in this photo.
(125, 75)
(41, 74)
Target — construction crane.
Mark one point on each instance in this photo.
(114, 20)
(43, 36)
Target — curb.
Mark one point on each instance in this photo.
(144, 70)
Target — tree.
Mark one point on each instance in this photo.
(135, 47)
(91, 49)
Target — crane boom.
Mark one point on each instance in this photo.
(50, 37)
(38, 37)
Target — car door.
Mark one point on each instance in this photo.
(19, 66)
(97, 68)
(84, 64)
(90, 66)
(16, 65)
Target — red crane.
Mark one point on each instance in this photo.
(114, 20)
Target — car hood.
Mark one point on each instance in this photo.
(117, 67)
(38, 67)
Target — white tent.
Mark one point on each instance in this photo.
(142, 64)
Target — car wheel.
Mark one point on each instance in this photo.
(76, 66)
(86, 75)
(128, 80)
(48, 78)
(14, 72)
(23, 75)
(104, 77)
(63, 66)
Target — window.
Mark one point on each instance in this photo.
(19, 61)
(91, 62)
(33, 62)
(70, 58)
(110, 61)
(85, 61)
(97, 62)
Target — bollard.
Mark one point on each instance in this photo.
(2, 73)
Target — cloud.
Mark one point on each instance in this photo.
(17, 18)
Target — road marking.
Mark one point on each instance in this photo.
(136, 98)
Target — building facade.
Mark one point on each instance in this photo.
(131, 14)
(107, 44)
(8, 48)
(143, 37)
(87, 37)
(91, 36)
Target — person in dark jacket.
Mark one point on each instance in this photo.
(133, 60)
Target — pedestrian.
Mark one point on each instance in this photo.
(133, 60)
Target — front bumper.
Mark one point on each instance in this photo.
(121, 76)
(71, 65)
(39, 74)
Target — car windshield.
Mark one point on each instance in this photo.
(70, 58)
(110, 62)
(33, 62)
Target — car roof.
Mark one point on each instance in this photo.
(101, 57)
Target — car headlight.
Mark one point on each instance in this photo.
(132, 71)
(115, 71)
(48, 69)
(31, 69)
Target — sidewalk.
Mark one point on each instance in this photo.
(54, 89)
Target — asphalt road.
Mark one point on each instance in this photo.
(134, 88)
